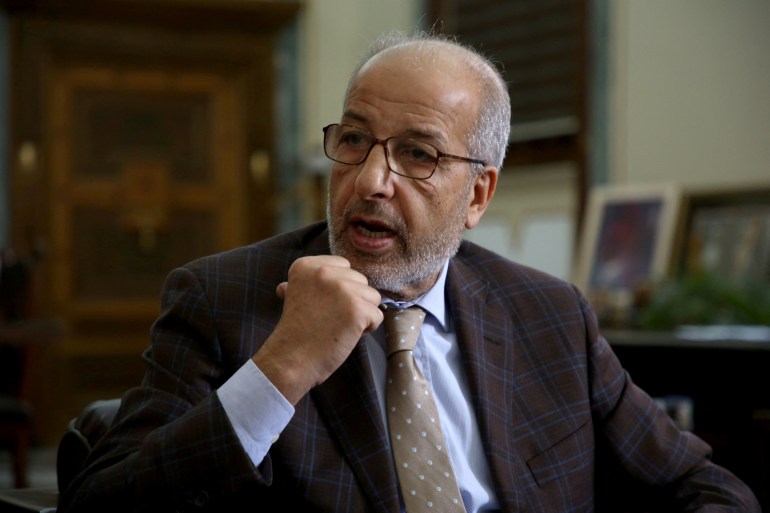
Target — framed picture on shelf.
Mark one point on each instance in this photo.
(726, 233)
(626, 243)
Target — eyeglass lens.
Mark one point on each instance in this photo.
(408, 157)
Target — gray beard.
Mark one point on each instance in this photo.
(417, 260)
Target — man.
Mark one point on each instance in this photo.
(266, 379)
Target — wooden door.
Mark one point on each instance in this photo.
(144, 176)
(151, 148)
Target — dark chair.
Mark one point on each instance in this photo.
(15, 434)
(19, 279)
(81, 435)
(761, 421)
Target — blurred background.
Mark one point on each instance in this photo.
(136, 135)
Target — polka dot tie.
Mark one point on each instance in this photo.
(424, 469)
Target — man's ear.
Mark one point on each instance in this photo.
(481, 194)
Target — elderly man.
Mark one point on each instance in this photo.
(273, 383)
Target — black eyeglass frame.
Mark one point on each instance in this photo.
(384, 142)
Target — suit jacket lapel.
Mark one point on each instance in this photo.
(349, 403)
(482, 331)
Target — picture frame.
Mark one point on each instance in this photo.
(725, 232)
(627, 243)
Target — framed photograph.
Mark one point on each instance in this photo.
(726, 233)
(627, 242)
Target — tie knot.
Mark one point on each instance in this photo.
(402, 328)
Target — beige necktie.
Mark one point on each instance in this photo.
(424, 469)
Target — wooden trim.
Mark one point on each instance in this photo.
(250, 15)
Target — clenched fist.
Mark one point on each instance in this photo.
(327, 308)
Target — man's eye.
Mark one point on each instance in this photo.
(420, 154)
(354, 139)
(414, 152)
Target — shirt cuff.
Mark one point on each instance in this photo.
(256, 409)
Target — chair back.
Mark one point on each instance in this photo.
(82, 434)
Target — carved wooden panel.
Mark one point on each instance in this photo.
(145, 175)
(137, 142)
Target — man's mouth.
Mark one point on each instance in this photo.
(373, 230)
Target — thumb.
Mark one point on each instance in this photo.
(280, 290)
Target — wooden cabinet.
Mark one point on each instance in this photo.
(729, 385)
(143, 139)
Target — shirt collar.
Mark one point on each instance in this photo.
(433, 301)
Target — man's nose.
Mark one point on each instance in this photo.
(375, 180)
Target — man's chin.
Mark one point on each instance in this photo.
(373, 266)
(380, 269)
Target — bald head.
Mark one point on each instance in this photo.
(488, 138)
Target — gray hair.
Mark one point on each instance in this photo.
(488, 138)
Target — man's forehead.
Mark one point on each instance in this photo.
(426, 74)
(433, 57)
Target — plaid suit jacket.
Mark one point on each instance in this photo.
(564, 428)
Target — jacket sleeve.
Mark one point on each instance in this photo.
(172, 444)
(647, 463)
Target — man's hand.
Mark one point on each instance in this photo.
(327, 308)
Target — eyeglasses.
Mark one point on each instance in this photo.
(411, 158)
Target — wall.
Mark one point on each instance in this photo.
(690, 91)
(531, 219)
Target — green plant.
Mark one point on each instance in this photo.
(706, 299)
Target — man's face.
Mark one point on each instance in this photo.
(395, 230)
